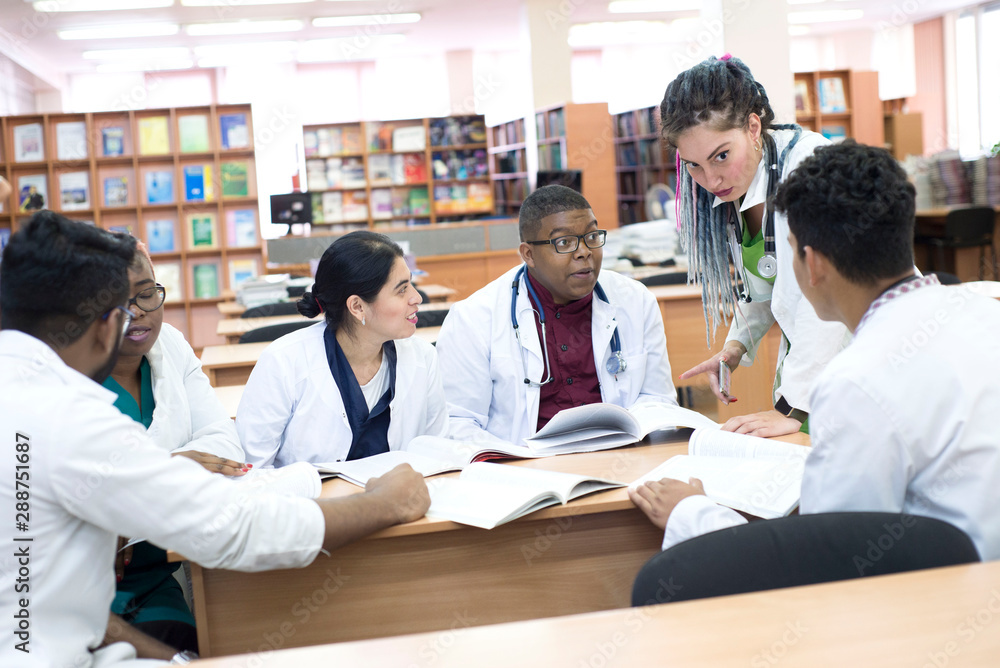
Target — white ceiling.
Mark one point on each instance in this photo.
(487, 25)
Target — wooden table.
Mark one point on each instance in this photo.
(937, 617)
(426, 575)
(435, 293)
(962, 262)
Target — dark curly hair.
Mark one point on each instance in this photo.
(719, 91)
(854, 204)
(544, 202)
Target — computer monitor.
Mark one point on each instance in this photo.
(291, 209)
(571, 178)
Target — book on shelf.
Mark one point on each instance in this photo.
(234, 178)
(400, 202)
(603, 426)
(4, 239)
(316, 175)
(121, 229)
(831, 95)
(116, 191)
(758, 476)
(233, 131)
(540, 126)
(310, 143)
(159, 187)
(71, 140)
(355, 205)
(32, 192)
(409, 138)
(802, 102)
(202, 232)
(241, 228)
(206, 280)
(442, 200)
(420, 204)
(414, 168)
(352, 173)
(834, 133)
(198, 183)
(241, 271)
(381, 203)
(480, 197)
(160, 235)
(29, 143)
(332, 207)
(113, 141)
(193, 130)
(556, 126)
(168, 274)
(380, 169)
(350, 139)
(74, 191)
(459, 198)
(154, 135)
(487, 495)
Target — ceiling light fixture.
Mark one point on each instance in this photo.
(124, 30)
(166, 53)
(364, 20)
(618, 32)
(239, 3)
(825, 16)
(652, 6)
(49, 6)
(243, 27)
(146, 66)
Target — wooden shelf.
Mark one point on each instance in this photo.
(840, 104)
(642, 161)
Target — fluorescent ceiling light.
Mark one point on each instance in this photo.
(243, 27)
(125, 30)
(239, 3)
(364, 20)
(798, 31)
(146, 66)
(827, 16)
(649, 6)
(167, 52)
(221, 55)
(48, 6)
(620, 32)
(344, 48)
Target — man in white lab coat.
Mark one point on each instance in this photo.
(548, 335)
(77, 473)
(904, 419)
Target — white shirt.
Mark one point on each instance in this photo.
(187, 415)
(481, 359)
(95, 474)
(811, 343)
(377, 386)
(292, 410)
(904, 420)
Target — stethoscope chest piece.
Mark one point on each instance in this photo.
(616, 364)
(767, 266)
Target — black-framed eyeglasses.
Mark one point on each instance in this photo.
(149, 299)
(570, 242)
(126, 323)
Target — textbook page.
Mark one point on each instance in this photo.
(298, 479)
(461, 453)
(730, 444)
(487, 495)
(360, 471)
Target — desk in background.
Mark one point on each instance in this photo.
(230, 396)
(430, 574)
(942, 616)
(964, 261)
(435, 294)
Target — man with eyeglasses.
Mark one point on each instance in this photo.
(548, 335)
(75, 473)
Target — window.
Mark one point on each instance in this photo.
(977, 59)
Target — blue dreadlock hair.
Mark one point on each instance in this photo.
(722, 93)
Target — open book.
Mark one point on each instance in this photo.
(604, 426)
(487, 495)
(360, 471)
(758, 476)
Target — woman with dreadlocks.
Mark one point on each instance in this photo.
(730, 158)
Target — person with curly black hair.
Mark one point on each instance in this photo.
(730, 159)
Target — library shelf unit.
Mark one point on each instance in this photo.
(840, 104)
(581, 137)
(401, 173)
(642, 160)
(508, 166)
(182, 180)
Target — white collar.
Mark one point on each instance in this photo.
(36, 358)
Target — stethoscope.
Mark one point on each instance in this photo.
(616, 363)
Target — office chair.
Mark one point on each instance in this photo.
(965, 228)
(431, 318)
(799, 550)
(272, 332)
(266, 310)
(669, 278)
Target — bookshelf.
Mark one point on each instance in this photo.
(181, 180)
(641, 160)
(509, 166)
(580, 136)
(840, 104)
(403, 173)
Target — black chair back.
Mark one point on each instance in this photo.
(272, 332)
(799, 550)
(267, 310)
(432, 318)
(972, 226)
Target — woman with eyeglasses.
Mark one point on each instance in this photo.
(159, 383)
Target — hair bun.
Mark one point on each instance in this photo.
(308, 306)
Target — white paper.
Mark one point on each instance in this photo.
(29, 145)
(71, 140)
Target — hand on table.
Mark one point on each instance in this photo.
(216, 464)
(764, 424)
(658, 498)
(405, 492)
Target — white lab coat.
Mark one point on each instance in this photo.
(813, 342)
(292, 410)
(481, 360)
(904, 420)
(188, 415)
(93, 475)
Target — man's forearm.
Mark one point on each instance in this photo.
(146, 647)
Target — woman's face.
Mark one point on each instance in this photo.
(393, 314)
(723, 162)
(145, 327)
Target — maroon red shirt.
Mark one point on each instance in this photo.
(569, 340)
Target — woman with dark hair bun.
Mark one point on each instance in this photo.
(730, 158)
(356, 384)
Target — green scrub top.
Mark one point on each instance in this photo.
(148, 592)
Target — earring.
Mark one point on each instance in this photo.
(757, 146)
(362, 321)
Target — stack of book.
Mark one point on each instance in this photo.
(263, 290)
